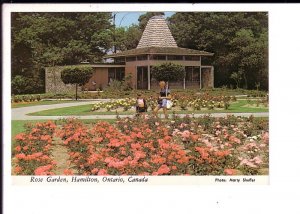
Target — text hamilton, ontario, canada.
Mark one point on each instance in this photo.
(88, 179)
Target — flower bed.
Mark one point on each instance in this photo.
(126, 104)
(182, 146)
(148, 146)
(180, 102)
(202, 101)
(32, 153)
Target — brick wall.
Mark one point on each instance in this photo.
(100, 77)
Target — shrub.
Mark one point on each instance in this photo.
(23, 85)
(78, 75)
(25, 98)
(168, 72)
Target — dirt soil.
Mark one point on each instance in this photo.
(61, 156)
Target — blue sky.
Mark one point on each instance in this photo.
(126, 19)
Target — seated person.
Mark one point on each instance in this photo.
(141, 105)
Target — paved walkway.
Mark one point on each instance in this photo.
(21, 113)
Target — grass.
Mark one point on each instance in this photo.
(43, 102)
(66, 111)
(236, 107)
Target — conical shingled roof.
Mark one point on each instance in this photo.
(157, 34)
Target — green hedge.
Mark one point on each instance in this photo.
(123, 94)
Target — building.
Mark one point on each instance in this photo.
(156, 46)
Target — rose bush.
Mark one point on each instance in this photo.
(106, 150)
(32, 153)
(150, 146)
(224, 143)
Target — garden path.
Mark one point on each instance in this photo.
(60, 155)
(21, 113)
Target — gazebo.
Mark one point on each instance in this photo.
(156, 46)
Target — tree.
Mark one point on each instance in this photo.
(239, 41)
(168, 72)
(49, 39)
(78, 75)
(251, 55)
(133, 36)
(127, 38)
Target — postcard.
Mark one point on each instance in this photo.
(102, 96)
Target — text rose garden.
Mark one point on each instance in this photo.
(148, 146)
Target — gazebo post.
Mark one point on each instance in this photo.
(184, 74)
(212, 76)
(200, 85)
(149, 85)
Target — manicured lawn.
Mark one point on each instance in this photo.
(43, 102)
(235, 107)
(74, 110)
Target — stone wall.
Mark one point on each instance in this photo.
(53, 81)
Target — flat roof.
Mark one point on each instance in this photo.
(95, 65)
(107, 65)
(160, 51)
